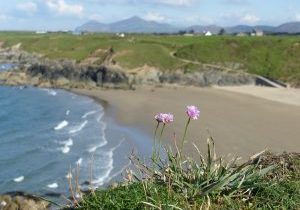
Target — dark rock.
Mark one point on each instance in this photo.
(22, 201)
(207, 78)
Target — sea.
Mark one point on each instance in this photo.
(48, 136)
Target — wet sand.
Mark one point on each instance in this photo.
(241, 124)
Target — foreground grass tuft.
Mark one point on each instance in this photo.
(175, 181)
(270, 193)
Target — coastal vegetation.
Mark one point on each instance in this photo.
(172, 180)
(269, 56)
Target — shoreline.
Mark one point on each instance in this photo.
(121, 141)
(244, 135)
(136, 108)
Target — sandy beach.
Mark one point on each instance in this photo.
(241, 124)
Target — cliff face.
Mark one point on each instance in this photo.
(36, 70)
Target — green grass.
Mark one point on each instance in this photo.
(172, 180)
(274, 57)
(131, 52)
(270, 193)
(266, 182)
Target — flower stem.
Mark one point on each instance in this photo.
(184, 135)
(155, 143)
(161, 133)
(159, 140)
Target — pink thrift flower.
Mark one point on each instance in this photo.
(167, 118)
(164, 118)
(159, 117)
(193, 112)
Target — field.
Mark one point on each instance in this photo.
(270, 56)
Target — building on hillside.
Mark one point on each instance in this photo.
(259, 32)
(77, 33)
(41, 32)
(242, 34)
(208, 33)
(188, 34)
(122, 35)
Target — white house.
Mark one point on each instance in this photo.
(259, 32)
(188, 34)
(122, 35)
(208, 33)
(41, 32)
(242, 34)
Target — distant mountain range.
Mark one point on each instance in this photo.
(138, 25)
(131, 25)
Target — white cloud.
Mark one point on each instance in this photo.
(155, 17)
(96, 17)
(28, 7)
(297, 16)
(236, 2)
(250, 18)
(4, 17)
(177, 2)
(165, 2)
(63, 8)
(199, 20)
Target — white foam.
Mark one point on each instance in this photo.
(78, 128)
(52, 186)
(69, 176)
(79, 161)
(68, 112)
(19, 179)
(106, 177)
(65, 149)
(50, 92)
(61, 125)
(94, 148)
(68, 143)
(67, 146)
(103, 143)
(3, 203)
(88, 114)
(100, 117)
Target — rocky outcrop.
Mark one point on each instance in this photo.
(33, 69)
(21, 201)
(68, 74)
(207, 78)
(202, 78)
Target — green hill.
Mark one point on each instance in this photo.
(270, 56)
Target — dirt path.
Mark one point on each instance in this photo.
(222, 68)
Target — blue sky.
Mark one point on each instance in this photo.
(67, 14)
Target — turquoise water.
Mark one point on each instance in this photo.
(44, 133)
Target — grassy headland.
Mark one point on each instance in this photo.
(270, 56)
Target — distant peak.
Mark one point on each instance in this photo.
(93, 21)
(135, 18)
